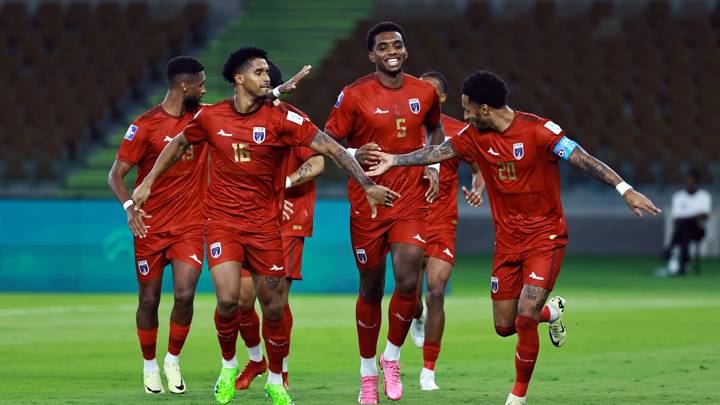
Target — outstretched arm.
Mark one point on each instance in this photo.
(634, 199)
(421, 157)
(310, 169)
(169, 155)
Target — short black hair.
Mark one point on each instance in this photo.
(437, 76)
(239, 59)
(182, 65)
(385, 26)
(483, 87)
(275, 74)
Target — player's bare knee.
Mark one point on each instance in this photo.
(227, 304)
(505, 331)
(149, 301)
(406, 285)
(435, 296)
(184, 297)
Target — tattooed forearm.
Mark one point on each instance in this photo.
(427, 155)
(589, 164)
(304, 170)
(327, 146)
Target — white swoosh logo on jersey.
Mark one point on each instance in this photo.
(492, 152)
(223, 133)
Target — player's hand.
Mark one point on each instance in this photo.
(365, 154)
(291, 84)
(287, 210)
(386, 163)
(141, 194)
(135, 221)
(473, 197)
(433, 178)
(639, 203)
(379, 195)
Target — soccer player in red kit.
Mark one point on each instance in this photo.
(303, 165)
(169, 228)
(427, 327)
(387, 110)
(518, 154)
(249, 138)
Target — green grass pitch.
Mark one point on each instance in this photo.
(632, 338)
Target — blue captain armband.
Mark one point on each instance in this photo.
(564, 148)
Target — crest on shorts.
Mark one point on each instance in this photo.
(518, 150)
(361, 256)
(215, 250)
(259, 134)
(494, 285)
(143, 267)
(414, 105)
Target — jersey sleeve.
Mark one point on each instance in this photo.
(551, 138)
(195, 131)
(297, 130)
(133, 144)
(342, 116)
(463, 145)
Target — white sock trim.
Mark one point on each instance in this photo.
(150, 365)
(171, 358)
(274, 378)
(255, 353)
(285, 364)
(368, 367)
(554, 315)
(392, 352)
(232, 363)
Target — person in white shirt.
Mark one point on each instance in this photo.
(690, 210)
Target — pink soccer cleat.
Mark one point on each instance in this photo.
(391, 379)
(368, 390)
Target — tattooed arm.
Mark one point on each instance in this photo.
(589, 164)
(172, 152)
(421, 157)
(310, 169)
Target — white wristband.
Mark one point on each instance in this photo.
(351, 151)
(276, 92)
(288, 182)
(623, 187)
(435, 166)
(127, 203)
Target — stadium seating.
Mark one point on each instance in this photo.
(638, 90)
(66, 66)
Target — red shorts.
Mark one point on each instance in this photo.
(156, 250)
(371, 238)
(292, 249)
(258, 253)
(538, 267)
(441, 242)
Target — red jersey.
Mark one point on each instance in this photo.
(248, 160)
(444, 208)
(301, 196)
(365, 112)
(178, 195)
(522, 179)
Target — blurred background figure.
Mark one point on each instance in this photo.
(690, 212)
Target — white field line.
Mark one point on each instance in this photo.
(74, 309)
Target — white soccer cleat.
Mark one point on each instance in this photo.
(427, 380)
(175, 382)
(558, 334)
(153, 384)
(417, 328)
(513, 400)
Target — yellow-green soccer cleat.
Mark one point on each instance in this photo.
(176, 384)
(278, 394)
(558, 334)
(225, 385)
(152, 382)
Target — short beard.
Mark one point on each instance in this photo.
(191, 104)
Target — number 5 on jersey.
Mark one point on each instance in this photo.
(401, 128)
(242, 154)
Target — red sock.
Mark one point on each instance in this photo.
(276, 341)
(545, 314)
(368, 316)
(526, 354)
(178, 334)
(148, 341)
(431, 350)
(249, 327)
(288, 320)
(227, 333)
(400, 315)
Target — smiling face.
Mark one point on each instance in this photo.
(476, 114)
(254, 78)
(389, 52)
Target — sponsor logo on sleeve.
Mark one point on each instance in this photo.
(414, 105)
(295, 117)
(494, 285)
(553, 127)
(130, 133)
(259, 134)
(339, 99)
(143, 267)
(361, 256)
(215, 250)
(518, 150)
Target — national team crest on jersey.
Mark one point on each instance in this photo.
(494, 285)
(361, 256)
(130, 133)
(414, 105)
(518, 150)
(143, 267)
(215, 250)
(259, 134)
